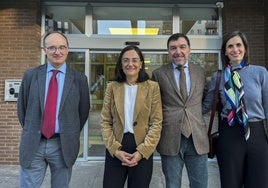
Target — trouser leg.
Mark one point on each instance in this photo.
(257, 161)
(231, 155)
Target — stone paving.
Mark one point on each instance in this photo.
(89, 175)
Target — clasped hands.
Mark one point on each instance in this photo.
(128, 159)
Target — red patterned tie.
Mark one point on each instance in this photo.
(49, 119)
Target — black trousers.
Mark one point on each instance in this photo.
(115, 174)
(243, 164)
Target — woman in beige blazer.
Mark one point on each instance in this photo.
(131, 121)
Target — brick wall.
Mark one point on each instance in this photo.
(248, 17)
(20, 49)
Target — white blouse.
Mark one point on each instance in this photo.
(129, 106)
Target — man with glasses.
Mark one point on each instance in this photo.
(184, 138)
(53, 106)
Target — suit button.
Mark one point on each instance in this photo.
(135, 123)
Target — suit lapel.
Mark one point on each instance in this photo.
(140, 98)
(42, 84)
(119, 96)
(119, 99)
(194, 77)
(69, 77)
(172, 79)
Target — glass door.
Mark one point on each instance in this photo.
(102, 66)
(79, 60)
(99, 67)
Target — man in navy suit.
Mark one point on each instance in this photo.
(59, 151)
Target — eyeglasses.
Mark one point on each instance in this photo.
(127, 61)
(53, 49)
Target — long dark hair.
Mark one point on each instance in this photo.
(120, 75)
(224, 58)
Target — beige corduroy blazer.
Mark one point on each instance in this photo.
(147, 120)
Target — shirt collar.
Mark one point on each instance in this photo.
(175, 66)
(62, 68)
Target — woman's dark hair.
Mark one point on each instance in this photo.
(120, 75)
(224, 58)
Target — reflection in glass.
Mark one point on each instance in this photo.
(209, 61)
(76, 60)
(97, 86)
(132, 21)
(206, 22)
(66, 19)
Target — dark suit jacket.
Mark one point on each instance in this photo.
(73, 112)
(174, 110)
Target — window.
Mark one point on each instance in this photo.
(132, 21)
(66, 19)
(206, 22)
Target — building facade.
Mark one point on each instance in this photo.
(95, 46)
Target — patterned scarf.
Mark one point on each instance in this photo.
(234, 92)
